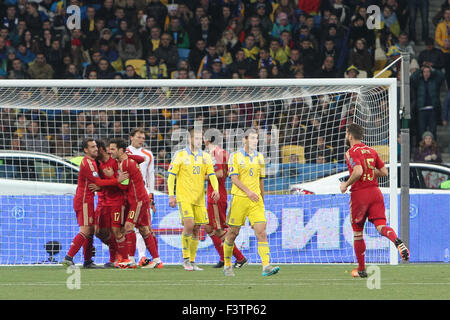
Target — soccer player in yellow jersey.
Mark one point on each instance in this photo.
(246, 169)
(189, 166)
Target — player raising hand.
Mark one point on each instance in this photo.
(366, 199)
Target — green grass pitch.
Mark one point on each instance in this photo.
(294, 282)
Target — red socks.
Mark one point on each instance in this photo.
(111, 243)
(218, 245)
(389, 233)
(131, 243)
(76, 244)
(87, 248)
(360, 248)
(122, 247)
(150, 243)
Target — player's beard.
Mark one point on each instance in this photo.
(347, 143)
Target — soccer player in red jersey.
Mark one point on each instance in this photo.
(83, 203)
(366, 199)
(217, 211)
(138, 201)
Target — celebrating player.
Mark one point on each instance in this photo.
(366, 199)
(111, 205)
(189, 166)
(217, 211)
(83, 203)
(138, 201)
(247, 173)
(137, 137)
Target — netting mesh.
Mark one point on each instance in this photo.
(301, 135)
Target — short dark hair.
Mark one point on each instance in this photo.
(355, 130)
(249, 132)
(85, 143)
(101, 144)
(134, 131)
(119, 142)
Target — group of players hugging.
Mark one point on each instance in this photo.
(123, 177)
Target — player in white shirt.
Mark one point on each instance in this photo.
(147, 167)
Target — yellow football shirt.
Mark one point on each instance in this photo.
(249, 168)
(190, 170)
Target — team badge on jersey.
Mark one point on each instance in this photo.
(170, 167)
(95, 174)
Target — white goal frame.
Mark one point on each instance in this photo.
(389, 83)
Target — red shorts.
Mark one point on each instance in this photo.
(139, 214)
(116, 216)
(367, 204)
(85, 214)
(222, 211)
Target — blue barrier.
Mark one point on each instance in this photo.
(296, 233)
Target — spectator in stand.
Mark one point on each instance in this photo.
(154, 69)
(281, 54)
(18, 71)
(71, 72)
(130, 46)
(361, 58)
(281, 24)
(33, 18)
(320, 152)
(428, 149)
(308, 56)
(179, 35)
(426, 84)
(265, 59)
(40, 69)
(359, 30)
(167, 53)
(63, 141)
(404, 46)
(431, 56)
(423, 7)
(24, 54)
(442, 37)
(293, 65)
(250, 49)
(230, 41)
(206, 31)
(389, 20)
(130, 73)
(93, 66)
(105, 70)
(241, 65)
(217, 70)
(34, 140)
(158, 10)
(196, 54)
(352, 72)
(54, 57)
(328, 69)
(206, 62)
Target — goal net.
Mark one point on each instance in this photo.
(301, 125)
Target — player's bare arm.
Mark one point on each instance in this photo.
(253, 196)
(382, 172)
(356, 175)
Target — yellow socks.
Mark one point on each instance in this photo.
(264, 252)
(227, 253)
(186, 244)
(193, 248)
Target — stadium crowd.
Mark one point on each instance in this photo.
(216, 39)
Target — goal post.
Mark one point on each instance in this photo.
(301, 124)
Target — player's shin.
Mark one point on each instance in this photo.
(388, 232)
(227, 253)
(193, 248)
(112, 245)
(217, 244)
(76, 244)
(130, 237)
(88, 248)
(186, 243)
(360, 248)
(264, 253)
(151, 245)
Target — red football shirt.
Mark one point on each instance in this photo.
(89, 174)
(113, 196)
(220, 162)
(136, 188)
(368, 159)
